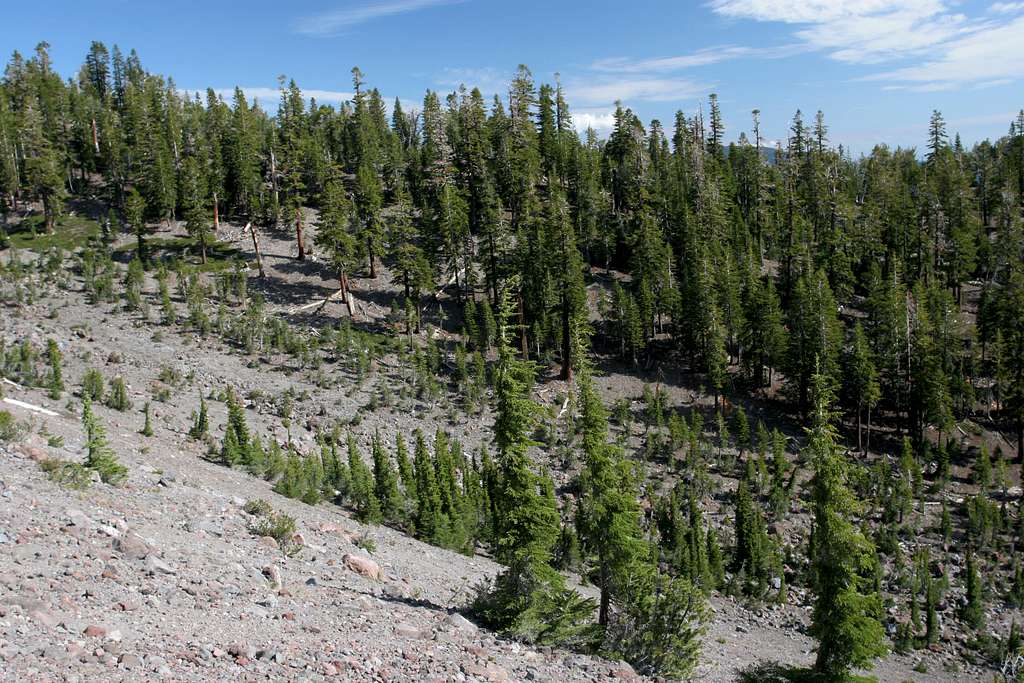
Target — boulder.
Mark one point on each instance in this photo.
(363, 565)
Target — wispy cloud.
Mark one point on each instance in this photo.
(270, 97)
(859, 31)
(603, 90)
(1006, 7)
(951, 50)
(988, 58)
(703, 57)
(334, 21)
(489, 80)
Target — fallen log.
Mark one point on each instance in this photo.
(29, 406)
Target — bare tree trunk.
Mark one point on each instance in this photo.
(216, 214)
(860, 445)
(867, 442)
(524, 344)
(346, 294)
(298, 233)
(95, 137)
(373, 263)
(256, 248)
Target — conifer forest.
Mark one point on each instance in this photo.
(680, 386)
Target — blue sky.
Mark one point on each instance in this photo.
(875, 67)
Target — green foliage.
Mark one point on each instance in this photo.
(361, 491)
(70, 475)
(11, 430)
(658, 625)
(200, 428)
(147, 427)
(117, 396)
(93, 385)
(847, 608)
(99, 456)
(385, 484)
(55, 384)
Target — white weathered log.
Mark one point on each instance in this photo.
(29, 406)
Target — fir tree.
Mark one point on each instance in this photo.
(147, 427)
(847, 608)
(55, 384)
(200, 428)
(385, 484)
(99, 456)
(361, 486)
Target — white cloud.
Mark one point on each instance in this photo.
(604, 91)
(1006, 7)
(333, 21)
(489, 80)
(860, 31)
(993, 56)
(602, 121)
(950, 49)
(703, 57)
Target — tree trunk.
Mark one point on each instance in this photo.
(1020, 440)
(256, 248)
(95, 137)
(298, 233)
(373, 264)
(522, 330)
(602, 613)
(345, 293)
(216, 214)
(867, 440)
(860, 444)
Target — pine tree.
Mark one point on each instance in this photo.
(385, 484)
(609, 513)
(361, 491)
(200, 422)
(847, 607)
(117, 398)
(525, 597)
(427, 520)
(236, 433)
(135, 217)
(861, 381)
(55, 384)
(334, 237)
(973, 610)
(814, 341)
(147, 427)
(99, 456)
(405, 469)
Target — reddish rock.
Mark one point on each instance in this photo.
(363, 565)
(132, 546)
(95, 631)
(273, 575)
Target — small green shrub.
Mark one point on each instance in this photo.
(258, 507)
(92, 385)
(11, 430)
(278, 525)
(70, 475)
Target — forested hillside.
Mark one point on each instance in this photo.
(830, 348)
